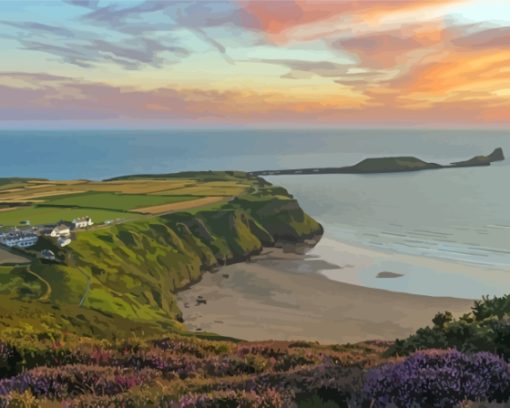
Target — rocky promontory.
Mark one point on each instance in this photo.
(388, 165)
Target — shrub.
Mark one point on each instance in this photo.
(19, 400)
(69, 381)
(486, 328)
(10, 360)
(439, 379)
(233, 399)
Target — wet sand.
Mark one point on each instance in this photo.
(285, 296)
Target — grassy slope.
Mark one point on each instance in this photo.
(389, 164)
(127, 274)
(44, 215)
(112, 201)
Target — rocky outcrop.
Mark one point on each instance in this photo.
(496, 155)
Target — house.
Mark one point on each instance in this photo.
(19, 239)
(82, 222)
(63, 241)
(60, 231)
(48, 254)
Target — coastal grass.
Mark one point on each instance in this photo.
(127, 273)
(33, 189)
(112, 201)
(50, 215)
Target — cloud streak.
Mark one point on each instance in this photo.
(60, 98)
(86, 49)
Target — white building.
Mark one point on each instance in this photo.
(19, 239)
(82, 222)
(63, 241)
(60, 231)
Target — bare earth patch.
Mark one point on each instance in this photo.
(7, 209)
(7, 258)
(33, 196)
(184, 205)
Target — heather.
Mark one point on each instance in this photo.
(181, 371)
(439, 378)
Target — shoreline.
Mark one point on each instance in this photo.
(283, 295)
(360, 265)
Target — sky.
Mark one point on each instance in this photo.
(266, 63)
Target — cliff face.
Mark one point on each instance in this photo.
(133, 270)
(497, 155)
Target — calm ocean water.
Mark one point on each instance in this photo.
(461, 215)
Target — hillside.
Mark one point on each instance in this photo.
(392, 164)
(114, 278)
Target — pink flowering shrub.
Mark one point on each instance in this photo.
(439, 378)
(234, 399)
(68, 381)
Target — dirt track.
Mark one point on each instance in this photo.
(180, 206)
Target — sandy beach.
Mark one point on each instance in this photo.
(282, 295)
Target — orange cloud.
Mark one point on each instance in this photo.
(389, 49)
(44, 97)
(459, 71)
(277, 17)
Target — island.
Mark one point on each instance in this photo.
(388, 165)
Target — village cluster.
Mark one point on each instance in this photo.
(27, 235)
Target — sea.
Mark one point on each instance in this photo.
(447, 232)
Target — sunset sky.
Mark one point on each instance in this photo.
(98, 63)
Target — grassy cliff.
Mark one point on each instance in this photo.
(123, 278)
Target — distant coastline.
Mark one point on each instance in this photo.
(389, 165)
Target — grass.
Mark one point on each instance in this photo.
(112, 201)
(131, 271)
(49, 215)
(5, 272)
(208, 189)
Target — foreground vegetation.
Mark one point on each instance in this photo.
(189, 372)
(100, 327)
(62, 369)
(485, 328)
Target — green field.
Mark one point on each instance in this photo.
(112, 201)
(50, 215)
(5, 272)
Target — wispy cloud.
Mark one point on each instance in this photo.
(37, 29)
(91, 4)
(195, 16)
(86, 48)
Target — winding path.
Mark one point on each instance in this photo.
(46, 296)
